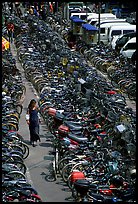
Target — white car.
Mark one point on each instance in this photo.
(129, 48)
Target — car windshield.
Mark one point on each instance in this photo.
(131, 46)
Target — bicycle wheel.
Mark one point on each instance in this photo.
(16, 175)
(25, 149)
(20, 154)
(62, 163)
(70, 184)
(21, 166)
(14, 138)
(17, 148)
(19, 108)
(16, 158)
(66, 171)
(50, 177)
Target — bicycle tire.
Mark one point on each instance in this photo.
(19, 153)
(17, 158)
(16, 147)
(19, 108)
(7, 159)
(13, 138)
(62, 163)
(70, 184)
(14, 115)
(25, 149)
(10, 126)
(16, 175)
(21, 166)
(66, 171)
(50, 178)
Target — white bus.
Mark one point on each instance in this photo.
(115, 30)
(104, 30)
(117, 20)
(94, 17)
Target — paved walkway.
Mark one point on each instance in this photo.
(39, 157)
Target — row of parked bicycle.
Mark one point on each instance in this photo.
(15, 185)
(92, 130)
(120, 71)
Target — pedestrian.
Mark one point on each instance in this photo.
(10, 28)
(33, 120)
(43, 13)
(118, 13)
(35, 12)
(51, 7)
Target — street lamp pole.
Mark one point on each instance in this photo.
(99, 12)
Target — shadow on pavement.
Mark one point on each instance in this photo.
(27, 142)
(45, 144)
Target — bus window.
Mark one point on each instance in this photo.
(116, 32)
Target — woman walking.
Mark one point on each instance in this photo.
(33, 120)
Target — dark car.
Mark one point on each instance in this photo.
(123, 39)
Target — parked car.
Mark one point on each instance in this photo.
(122, 39)
(129, 48)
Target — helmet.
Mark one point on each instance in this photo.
(117, 181)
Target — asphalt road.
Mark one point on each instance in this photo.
(39, 158)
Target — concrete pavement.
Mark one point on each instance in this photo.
(39, 158)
